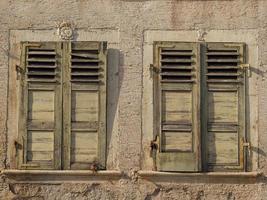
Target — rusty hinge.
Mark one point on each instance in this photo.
(154, 144)
(153, 69)
(17, 147)
(248, 146)
(246, 67)
(95, 166)
(19, 71)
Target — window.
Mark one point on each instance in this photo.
(62, 114)
(199, 106)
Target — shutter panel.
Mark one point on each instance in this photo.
(40, 106)
(176, 102)
(85, 98)
(225, 98)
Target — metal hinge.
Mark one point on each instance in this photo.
(17, 147)
(153, 70)
(19, 71)
(154, 145)
(248, 146)
(95, 166)
(246, 67)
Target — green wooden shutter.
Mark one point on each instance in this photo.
(225, 103)
(85, 105)
(40, 106)
(176, 106)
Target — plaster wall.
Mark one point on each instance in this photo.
(129, 26)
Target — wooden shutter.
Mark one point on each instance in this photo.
(40, 106)
(225, 103)
(85, 105)
(176, 105)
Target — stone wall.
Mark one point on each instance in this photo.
(125, 22)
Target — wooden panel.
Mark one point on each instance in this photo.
(85, 94)
(223, 148)
(176, 113)
(177, 106)
(84, 146)
(223, 107)
(176, 141)
(40, 145)
(173, 161)
(84, 106)
(41, 106)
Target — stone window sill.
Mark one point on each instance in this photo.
(59, 176)
(208, 177)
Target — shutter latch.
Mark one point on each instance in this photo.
(246, 67)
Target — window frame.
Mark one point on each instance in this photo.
(243, 151)
(62, 146)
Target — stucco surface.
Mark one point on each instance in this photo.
(132, 18)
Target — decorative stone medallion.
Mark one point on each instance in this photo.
(201, 34)
(65, 31)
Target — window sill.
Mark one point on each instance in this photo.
(207, 177)
(59, 176)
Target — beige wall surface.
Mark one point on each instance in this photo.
(130, 27)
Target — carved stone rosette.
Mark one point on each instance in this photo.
(65, 31)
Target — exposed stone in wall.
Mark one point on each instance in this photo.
(125, 189)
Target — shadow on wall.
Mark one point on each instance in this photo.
(113, 91)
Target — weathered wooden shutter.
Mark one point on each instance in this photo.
(176, 105)
(40, 106)
(85, 105)
(225, 103)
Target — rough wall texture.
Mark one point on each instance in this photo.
(132, 18)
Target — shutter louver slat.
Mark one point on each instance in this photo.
(85, 65)
(225, 106)
(40, 109)
(41, 65)
(85, 96)
(176, 106)
(222, 65)
(176, 65)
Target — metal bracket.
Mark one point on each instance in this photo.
(248, 146)
(246, 67)
(19, 71)
(17, 146)
(154, 144)
(153, 70)
(94, 166)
